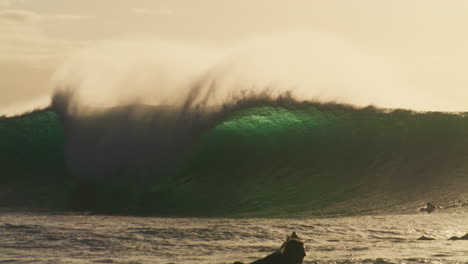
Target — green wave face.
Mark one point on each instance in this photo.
(305, 159)
(266, 159)
(32, 160)
(32, 147)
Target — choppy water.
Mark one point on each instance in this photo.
(42, 238)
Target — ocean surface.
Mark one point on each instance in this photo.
(158, 184)
(46, 238)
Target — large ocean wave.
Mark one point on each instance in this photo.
(151, 127)
(255, 156)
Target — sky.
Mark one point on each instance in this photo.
(423, 41)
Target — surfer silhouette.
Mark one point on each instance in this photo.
(465, 237)
(291, 252)
(429, 208)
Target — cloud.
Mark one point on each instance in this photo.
(9, 3)
(23, 37)
(29, 55)
(20, 16)
(68, 17)
(4, 3)
(25, 16)
(147, 11)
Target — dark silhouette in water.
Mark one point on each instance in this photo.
(429, 208)
(426, 238)
(465, 237)
(291, 252)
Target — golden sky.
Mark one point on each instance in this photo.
(423, 40)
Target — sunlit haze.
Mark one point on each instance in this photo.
(409, 54)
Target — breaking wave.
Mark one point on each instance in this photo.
(257, 156)
(156, 128)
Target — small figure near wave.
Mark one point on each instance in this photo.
(465, 237)
(426, 238)
(291, 252)
(429, 208)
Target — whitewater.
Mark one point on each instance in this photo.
(144, 157)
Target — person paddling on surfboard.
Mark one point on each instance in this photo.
(429, 208)
(291, 252)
